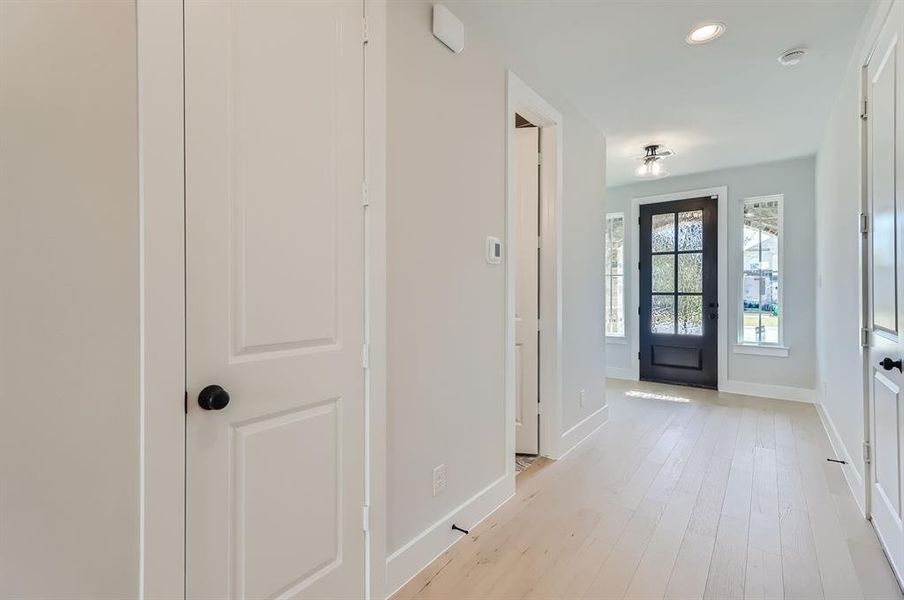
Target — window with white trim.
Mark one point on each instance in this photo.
(615, 275)
(761, 285)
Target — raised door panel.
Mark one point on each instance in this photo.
(887, 443)
(282, 463)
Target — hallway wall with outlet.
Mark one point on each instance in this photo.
(446, 185)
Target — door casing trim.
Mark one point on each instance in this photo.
(722, 329)
(161, 453)
(525, 101)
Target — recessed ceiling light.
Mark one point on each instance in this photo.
(706, 32)
(792, 57)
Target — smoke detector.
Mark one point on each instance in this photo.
(789, 58)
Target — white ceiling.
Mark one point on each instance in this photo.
(627, 67)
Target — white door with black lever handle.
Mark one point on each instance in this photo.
(885, 298)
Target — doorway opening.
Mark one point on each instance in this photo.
(679, 309)
(533, 412)
(680, 337)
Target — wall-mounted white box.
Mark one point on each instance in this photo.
(448, 28)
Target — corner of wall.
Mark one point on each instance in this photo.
(573, 437)
(852, 475)
(405, 563)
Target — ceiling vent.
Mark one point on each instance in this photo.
(791, 57)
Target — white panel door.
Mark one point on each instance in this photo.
(527, 303)
(275, 298)
(885, 180)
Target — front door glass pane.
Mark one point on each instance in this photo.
(690, 315)
(663, 272)
(664, 233)
(690, 230)
(690, 273)
(663, 314)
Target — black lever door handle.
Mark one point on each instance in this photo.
(889, 364)
(213, 397)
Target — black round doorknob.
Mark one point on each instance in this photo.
(889, 364)
(213, 397)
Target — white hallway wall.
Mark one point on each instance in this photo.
(795, 179)
(446, 193)
(838, 295)
(69, 306)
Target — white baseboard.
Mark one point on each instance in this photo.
(406, 562)
(779, 392)
(580, 432)
(851, 475)
(621, 373)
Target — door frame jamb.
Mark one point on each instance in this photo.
(375, 299)
(161, 208)
(865, 304)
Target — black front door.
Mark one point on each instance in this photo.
(679, 308)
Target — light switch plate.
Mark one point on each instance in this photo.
(494, 250)
(439, 480)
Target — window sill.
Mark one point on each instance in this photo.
(616, 339)
(762, 350)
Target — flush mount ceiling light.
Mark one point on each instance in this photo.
(789, 58)
(705, 32)
(652, 166)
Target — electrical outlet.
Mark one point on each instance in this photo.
(583, 397)
(439, 480)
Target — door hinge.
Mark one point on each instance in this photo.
(539, 159)
(539, 242)
(864, 115)
(638, 310)
(864, 337)
(864, 223)
(185, 401)
(638, 356)
(365, 356)
(364, 33)
(867, 452)
(365, 199)
(539, 325)
(365, 518)
(638, 265)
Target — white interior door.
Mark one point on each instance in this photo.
(527, 303)
(886, 211)
(275, 298)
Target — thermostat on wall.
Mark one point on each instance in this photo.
(494, 250)
(448, 28)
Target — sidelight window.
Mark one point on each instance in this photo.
(615, 275)
(761, 287)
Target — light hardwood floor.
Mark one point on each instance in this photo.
(684, 494)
